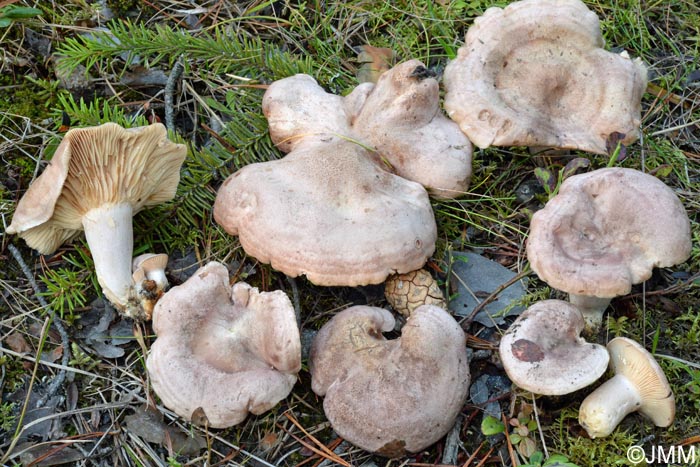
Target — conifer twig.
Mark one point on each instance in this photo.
(65, 358)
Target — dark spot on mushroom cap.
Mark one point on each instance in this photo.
(392, 449)
(527, 351)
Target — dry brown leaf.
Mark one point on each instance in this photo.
(373, 62)
(18, 343)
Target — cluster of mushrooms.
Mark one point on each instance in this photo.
(349, 205)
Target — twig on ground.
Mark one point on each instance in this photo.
(65, 358)
(449, 454)
(173, 79)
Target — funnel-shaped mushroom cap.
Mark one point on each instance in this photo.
(92, 167)
(606, 230)
(402, 120)
(399, 117)
(535, 74)
(390, 396)
(328, 211)
(542, 351)
(223, 350)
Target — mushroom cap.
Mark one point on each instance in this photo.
(543, 352)
(535, 74)
(406, 292)
(223, 350)
(328, 211)
(297, 108)
(630, 359)
(151, 264)
(400, 117)
(595, 237)
(92, 167)
(390, 396)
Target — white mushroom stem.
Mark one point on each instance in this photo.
(109, 233)
(592, 309)
(605, 407)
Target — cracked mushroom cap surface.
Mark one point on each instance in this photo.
(535, 74)
(328, 211)
(223, 351)
(92, 167)
(543, 352)
(606, 230)
(390, 396)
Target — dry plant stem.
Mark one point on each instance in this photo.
(592, 309)
(174, 77)
(467, 320)
(65, 358)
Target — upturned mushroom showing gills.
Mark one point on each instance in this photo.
(330, 212)
(639, 384)
(223, 351)
(399, 117)
(390, 396)
(535, 74)
(98, 178)
(605, 231)
(543, 352)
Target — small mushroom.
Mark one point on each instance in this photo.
(543, 352)
(535, 74)
(330, 212)
(149, 279)
(98, 179)
(639, 384)
(595, 238)
(390, 396)
(406, 292)
(223, 351)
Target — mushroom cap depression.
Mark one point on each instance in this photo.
(399, 117)
(221, 350)
(535, 74)
(97, 166)
(330, 212)
(542, 350)
(390, 396)
(606, 230)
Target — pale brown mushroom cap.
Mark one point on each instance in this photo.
(95, 166)
(401, 118)
(630, 359)
(406, 292)
(606, 230)
(223, 350)
(543, 352)
(297, 108)
(535, 74)
(329, 212)
(390, 396)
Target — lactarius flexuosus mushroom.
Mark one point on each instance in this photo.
(543, 352)
(223, 351)
(399, 117)
(390, 396)
(535, 74)
(98, 178)
(330, 212)
(605, 231)
(639, 384)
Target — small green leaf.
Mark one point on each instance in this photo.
(20, 12)
(515, 438)
(573, 166)
(546, 179)
(536, 457)
(492, 426)
(5, 22)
